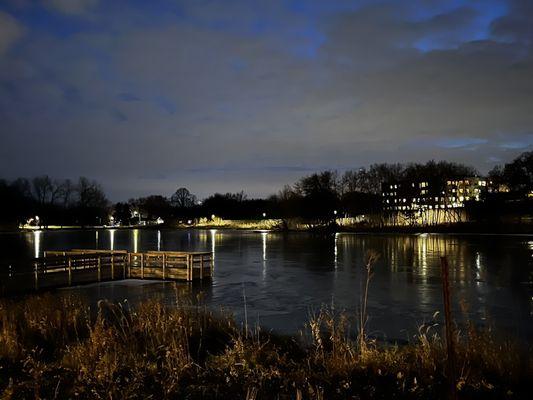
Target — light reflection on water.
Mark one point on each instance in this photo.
(289, 275)
(37, 243)
(112, 239)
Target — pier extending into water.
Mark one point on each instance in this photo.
(82, 266)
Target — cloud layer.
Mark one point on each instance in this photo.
(249, 95)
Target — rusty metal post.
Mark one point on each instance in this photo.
(99, 269)
(112, 266)
(69, 272)
(36, 273)
(449, 327)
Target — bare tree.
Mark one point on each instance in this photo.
(182, 198)
(42, 188)
(66, 193)
(90, 194)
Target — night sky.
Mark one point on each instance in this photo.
(146, 96)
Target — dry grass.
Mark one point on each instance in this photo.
(59, 348)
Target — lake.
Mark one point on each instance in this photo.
(282, 278)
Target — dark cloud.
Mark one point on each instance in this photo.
(10, 31)
(74, 7)
(221, 96)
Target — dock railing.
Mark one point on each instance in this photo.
(79, 266)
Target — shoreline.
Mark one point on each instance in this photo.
(455, 229)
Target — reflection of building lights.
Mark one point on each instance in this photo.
(336, 250)
(478, 267)
(158, 240)
(112, 239)
(37, 243)
(213, 234)
(135, 240)
(96, 239)
(423, 253)
(264, 240)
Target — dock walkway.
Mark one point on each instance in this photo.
(82, 266)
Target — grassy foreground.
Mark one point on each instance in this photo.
(53, 347)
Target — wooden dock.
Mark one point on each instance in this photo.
(81, 266)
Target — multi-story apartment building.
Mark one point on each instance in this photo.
(433, 195)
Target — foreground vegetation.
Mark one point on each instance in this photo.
(52, 347)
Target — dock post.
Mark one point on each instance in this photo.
(69, 271)
(189, 268)
(99, 268)
(164, 264)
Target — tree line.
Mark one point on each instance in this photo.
(53, 201)
(319, 197)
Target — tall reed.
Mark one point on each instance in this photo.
(52, 347)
